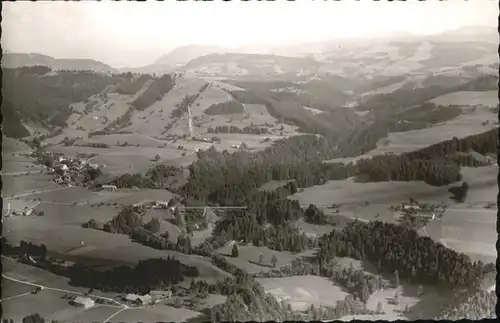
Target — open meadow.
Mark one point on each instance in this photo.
(303, 291)
(49, 304)
(465, 227)
(12, 289)
(97, 244)
(248, 258)
(26, 184)
(156, 313)
(121, 160)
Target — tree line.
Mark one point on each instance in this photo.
(154, 92)
(130, 85)
(155, 178)
(253, 130)
(229, 107)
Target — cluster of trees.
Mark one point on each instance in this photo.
(220, 175)
(182, 108)
(131, 84)
(129, 221)
(434, 171)
(244, 226)
(247, 301)
(120, 122)
(252, 130)
(156, 177)
(460, 192)
(356, 281)
(154, 92)
(156, 273)
(32, 318)
(478, 306)
(436, 165)
(95, 145)
(315, 215)
(392, 247)
(24, 248)
(229, 107)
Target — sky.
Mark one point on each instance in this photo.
(134, 34)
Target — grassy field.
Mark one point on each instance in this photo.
(12, 145)
(248, 258)
(466, 227)
(350, 192)
(481, 180)
(314, 230)
(302, 291)
(120, 160)
(66, 195)
(98, 244)
(13, 289)
(94, 314)
(128, 196)
(485, 98)
(12, 162)
(476, 108)
(13, 185)
(156, 313)
(48, 304)
(132, 139)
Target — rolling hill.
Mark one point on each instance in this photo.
(13, 60)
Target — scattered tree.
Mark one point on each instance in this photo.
(234, 251)
(34, 318)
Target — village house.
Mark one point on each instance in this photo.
(411, 207)
(161, 205)
(139, 299)
(84, 302)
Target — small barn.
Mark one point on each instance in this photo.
(139, 299)
(108, 188)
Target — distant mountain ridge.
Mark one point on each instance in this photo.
(397, 54)
(183, 55)
(14, 60)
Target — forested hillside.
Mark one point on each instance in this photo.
(41, 96)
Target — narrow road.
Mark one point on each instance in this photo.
(22, 173)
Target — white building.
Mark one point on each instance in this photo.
(108, 187)
(84, 302)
